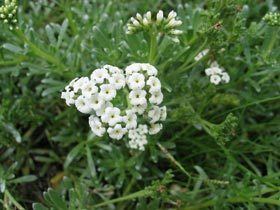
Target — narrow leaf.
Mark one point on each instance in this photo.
(72, 154)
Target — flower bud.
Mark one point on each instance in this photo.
(171, 15)
(159, 16)
(149, 16)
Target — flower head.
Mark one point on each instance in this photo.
(102, 96)
(217, 74)
(164, 25)
(8, 13)
(272, 18)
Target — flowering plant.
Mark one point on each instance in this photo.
(192, 86)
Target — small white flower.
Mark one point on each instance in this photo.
(117, 80)
(89, 89)
(154, 114)
(151, 70)
(215, 79)
(96, 126)
(155, 128)
(78, 84)
(130, 119)
(154, 84)
(95, 102)
(217, 74)
(156, 97)
(209, 71)
(82, 105)
(217, 70)
(138, 142)
(99, 75)
(132, 134)
(140, 109)
(225, 77)
(133, 144)
(117, 132)
(163, 113)
(113, 69)
(101, 111)
(136, 81)
(70, 86)
(142, 129)
(137, 97)
(108, 92)
(111, 116)
(68, 96)
(133, 68)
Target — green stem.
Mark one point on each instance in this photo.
(185, 66)
(13, 62)
(126, 191)
(139, 194)
(173, 160)
(13, 200)
(153, 48)
(250, 104)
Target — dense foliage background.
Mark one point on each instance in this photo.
(205, 157)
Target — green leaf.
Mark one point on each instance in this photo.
(24, 179)
(72, 154)
(12, 130)
(91, 164)
(12, 48)
(50, 34)
(51, 90)
(38, 206)
(56, 199)
(62, 33)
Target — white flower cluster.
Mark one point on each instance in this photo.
(137, 86)
(8, 13)
(217, 74)
(166, 25)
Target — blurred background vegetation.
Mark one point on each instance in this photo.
(205, 157)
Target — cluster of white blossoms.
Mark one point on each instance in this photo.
(8, 13)
(217, 74)
(166, 25)
(104, 94)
